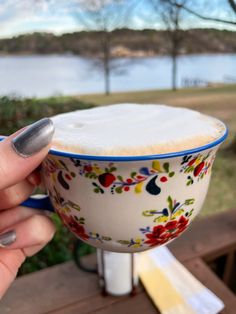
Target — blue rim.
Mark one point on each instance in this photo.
(137, 158)
(145, 157)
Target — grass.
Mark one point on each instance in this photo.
(217, 101)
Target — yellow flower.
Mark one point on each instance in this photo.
(97, 170)
(65, 209)
(177, 214)
(138, 243)
(161, 219)
(198, 160)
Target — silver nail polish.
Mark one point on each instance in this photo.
(34, 138)
(7, 238)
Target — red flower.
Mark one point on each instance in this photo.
(164, 233)
(88, 168)
(182, 224)
(171, 225)
(74, 225)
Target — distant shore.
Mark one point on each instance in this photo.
(121, 53)
(124, 43)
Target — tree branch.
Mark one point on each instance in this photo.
(203, 17)
(233, 5)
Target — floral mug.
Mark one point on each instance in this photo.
(127, 204)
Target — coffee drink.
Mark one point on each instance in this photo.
(134, 130)
(140, 201)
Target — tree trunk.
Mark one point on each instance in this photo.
(174, 71)
(107, 77)
(107, 61)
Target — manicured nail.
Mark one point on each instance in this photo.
(33, 138)
(7, 238)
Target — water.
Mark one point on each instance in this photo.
(48, 75)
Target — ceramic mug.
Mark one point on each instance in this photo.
(127, 204)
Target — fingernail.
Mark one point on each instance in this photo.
(33, 138)
(7, 238)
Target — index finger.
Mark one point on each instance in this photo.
(23, 151)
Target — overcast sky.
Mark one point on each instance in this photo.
(27, 16)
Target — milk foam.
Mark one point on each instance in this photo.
(131, 129)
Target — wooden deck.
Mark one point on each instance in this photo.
(64, 289)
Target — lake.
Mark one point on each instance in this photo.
(48, 75)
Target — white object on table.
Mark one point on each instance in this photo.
(119, 272)
(173, 289)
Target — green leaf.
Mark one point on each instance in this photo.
(106, 238)
(148, 213)
(171, 174)
(191, 212)
(96, 190)
(189, 169)
(123, 242)
(204, 158)
(120, 178)
(73, 205)
(113, 169)
(189, 201)
(81, 220)
(189, 182)
(63, 164)
(133, 174)
(170, 203)
(166, 166)
(118, 190)
(106, 170)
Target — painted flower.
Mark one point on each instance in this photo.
(74, 225)
(88, 168)
(164, 233)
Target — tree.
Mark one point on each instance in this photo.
(172, 16)
(103, 16)
(197, 12)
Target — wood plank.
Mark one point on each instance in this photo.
(229, 266)
(208, 238)
(87, 305)
(49, 289)
(95, 303)
(202, 272)
(139, 304)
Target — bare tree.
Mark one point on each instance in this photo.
(172, 16)
(104, 16)
(197, 12)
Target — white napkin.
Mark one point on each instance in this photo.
(172, 288)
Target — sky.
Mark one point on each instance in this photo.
(58, 16)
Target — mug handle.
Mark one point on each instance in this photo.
(39, 201)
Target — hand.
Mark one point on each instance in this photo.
(23, 231)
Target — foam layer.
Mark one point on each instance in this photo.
(133, 130)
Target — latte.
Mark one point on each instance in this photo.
(134, 130)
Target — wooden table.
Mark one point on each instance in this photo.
(64, 289)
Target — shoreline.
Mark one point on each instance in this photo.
(136, 55)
